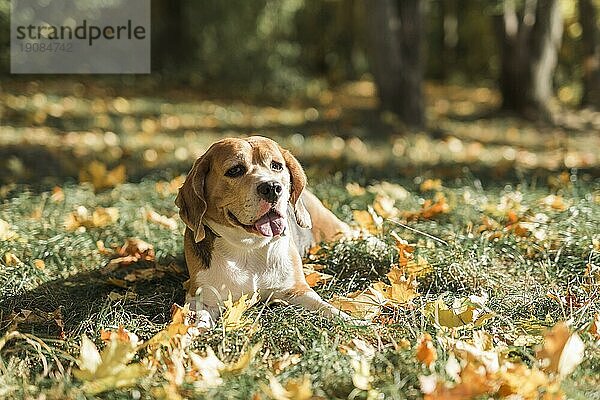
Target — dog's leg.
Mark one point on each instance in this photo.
(206, 316)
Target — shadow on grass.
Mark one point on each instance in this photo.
(93, 300)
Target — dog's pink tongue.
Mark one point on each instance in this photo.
(270, 224)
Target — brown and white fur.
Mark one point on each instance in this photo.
(248, 218)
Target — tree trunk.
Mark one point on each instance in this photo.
(529, 39)
(588, 17)
(396, 31)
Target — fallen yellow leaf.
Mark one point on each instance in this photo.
(233, 317)
(366, 304)
(314, 277)
(463, 312)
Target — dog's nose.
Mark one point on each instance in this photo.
(270, 191)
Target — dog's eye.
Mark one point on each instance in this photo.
(236, 171)
(276, 166)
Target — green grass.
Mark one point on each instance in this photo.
(532, 281)
(516, 272)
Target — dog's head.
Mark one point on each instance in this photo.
(244, 184)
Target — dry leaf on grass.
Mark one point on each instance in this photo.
(465, 311)
(354, 189)
(102, 178)
(36, 316)
(209, 368)
(233, 317)
(366, 304)
(279, 365)
(313, 275)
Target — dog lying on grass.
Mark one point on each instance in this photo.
(248, 220)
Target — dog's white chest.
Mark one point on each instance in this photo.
(239, 270)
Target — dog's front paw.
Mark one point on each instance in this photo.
(204, 321)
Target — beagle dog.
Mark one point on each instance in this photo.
(248, 218)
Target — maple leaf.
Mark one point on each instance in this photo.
(180, 330)
(102, 178)
(109, 369)
(561, 352)
(464, 312)
(233, 317)
(366, 304)
(121, 334)
(402, 290)
(313, 276)
(426, 352)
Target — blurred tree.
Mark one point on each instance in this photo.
(588, 17)
(530, 33)
(396, 34)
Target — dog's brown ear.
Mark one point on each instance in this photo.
(298, 182)
(190, 199)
